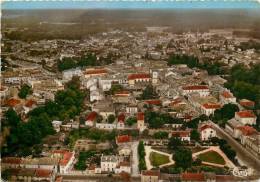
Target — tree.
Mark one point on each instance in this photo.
(174, 143)
(161, 135)
(24, 91)
(131, 120)
(183, 158)
(141, 153)
(149, 93)
(111, 118)
(195, 135)
(12, 118)
(115, 88)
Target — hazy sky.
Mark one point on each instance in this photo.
(246, 4)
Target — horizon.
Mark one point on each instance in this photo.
(123, 5)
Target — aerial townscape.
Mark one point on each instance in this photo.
(136, 103)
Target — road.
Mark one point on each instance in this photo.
(243, 154)
(135, 161)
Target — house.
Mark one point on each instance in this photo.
(138, 78)
(106, 126)
(188, 177)
(66, 159)
(252, 143)
(206, 131)
(121, 121)
(209, 108)
(156, 102)
(244, 131)
(247, 103)
(105, 84)
(231, 127)
(95, 95)
(109, 163)
(227, 97)
(246, 117)
(123, 139)
(27, 175)
(123, 166)
(140, 121)
(131, 109)
(90, 119)
(95, 73)
(123, 93)
(203, 90)
(56, 125)
(183, 135)
(124, 150)
(68, 74)
(11, 162)
(150, 176)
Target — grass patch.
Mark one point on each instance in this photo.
(158, 159)
(212, 157)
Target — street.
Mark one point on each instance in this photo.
(135, 161)
(243, 154)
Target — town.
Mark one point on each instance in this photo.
(131, 106)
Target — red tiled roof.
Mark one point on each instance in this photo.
(192, 177)
(246, 114)
(30, 103)
(96, 71)
(153, 102)
(44, 173)
(138, 76)
(13, 102)
(151, 173)
(211, 106)
(247, 103)
(92, 167)
(12, 160)
(65, 156)
(206, 126)
(140, 116)
(123, 139)
(181, 133)
(247, 130)
(196, 87)
(124, 93)
(121, 117)
(227, 94)
(92, 116)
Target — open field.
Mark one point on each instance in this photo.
(158, 159)
(212, 157)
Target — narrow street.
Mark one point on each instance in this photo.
(243, 154)
(135, 170)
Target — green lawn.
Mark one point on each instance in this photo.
(212, 157)
(158, 159)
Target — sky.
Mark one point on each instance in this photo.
(132, 4)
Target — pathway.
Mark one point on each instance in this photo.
(148, 150)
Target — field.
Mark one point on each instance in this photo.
(158, 159)
(212, 157)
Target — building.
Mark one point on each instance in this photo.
(206, 131)
(247, 103)
(131, 109)
(209, 108)
(138, 78)
(68, 74)
(109, 163)
(188, 177)
(231, 127)
(140, 121)
(66, 160)
(121, 121)
(150, 176)
(252, 143)
(90, 119)
(183, 135)
(227, 97)
(122, 139)
(56, 125)
(95, 73)
(203, 90)
(246, 117)
(123, 166)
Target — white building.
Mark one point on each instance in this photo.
(56, 125)
(96, 95)
(206, 131)
(209, 108)
(203, 90)
(227, 97)
(68, 74)
(246, 117)
(109, 163)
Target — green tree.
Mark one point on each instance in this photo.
(160, 135)
(149, 93)
(24, 91)
(174, 143)
(131, 120)
(111, 118)
(195, 135)
(183, 158)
